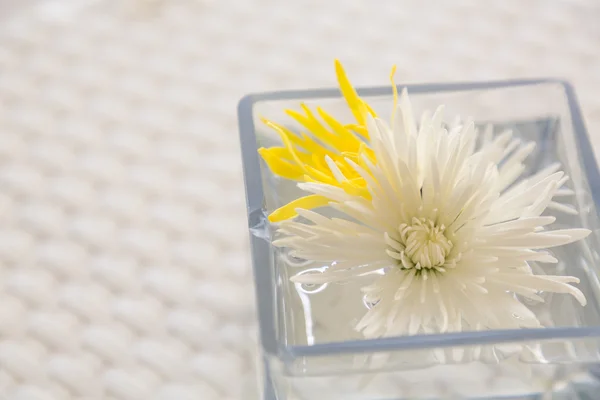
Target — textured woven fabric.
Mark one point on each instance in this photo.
(124, 270)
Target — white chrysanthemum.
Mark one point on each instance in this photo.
(446, 223)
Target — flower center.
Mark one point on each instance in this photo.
(420, 244)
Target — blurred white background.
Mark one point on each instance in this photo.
(124, 270)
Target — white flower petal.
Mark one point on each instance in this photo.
(564, 208)
(449, 226)
(335, 170)
(564, 193)
(332, 192)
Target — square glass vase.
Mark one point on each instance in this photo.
(309, 349)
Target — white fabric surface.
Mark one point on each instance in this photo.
(124, 269)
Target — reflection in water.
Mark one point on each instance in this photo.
(304, 290)
(369, 303)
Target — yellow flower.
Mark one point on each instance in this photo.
(312, 155)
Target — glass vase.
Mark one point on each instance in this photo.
(309, 348)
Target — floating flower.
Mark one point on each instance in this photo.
(448, 225)
(302, 156)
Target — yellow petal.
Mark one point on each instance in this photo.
(283, 152)
(278, 165)
(361, 130)
(315, 127)
(354, 102)
(357, 105)
(323, 176)
(369, 109)
(286, 142)
(283, 130)
(348, 140)
(289, 210)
